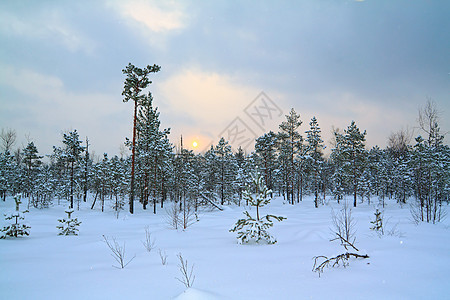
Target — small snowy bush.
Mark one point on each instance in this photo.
(255, 229)
(378, 225)
(69, 226)
(15, 229)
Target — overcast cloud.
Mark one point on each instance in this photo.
(375, 62)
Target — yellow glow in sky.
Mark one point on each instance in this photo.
(194, 144)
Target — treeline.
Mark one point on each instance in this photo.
(291, 161)
(292, 164)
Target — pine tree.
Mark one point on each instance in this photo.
(431, 168)
(16, 228)
(7, 174)
(265, 148)
(153, 152)
(72, 152)
(210, 175)
(314, 156)
(118, 183)
(136, 81)
(254, 229)
(353, 151)
(290, 142)
(227, 168)
(87, 164)
(195, 180)
(398, 156)
(243, 173)
(32, 162)
(45, 186)
(70, 225)
(337, 165)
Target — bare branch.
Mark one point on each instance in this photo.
(148, 243)
(187, 277)
(117, 252)
(344, 226)
(8, 137)
(163, 256)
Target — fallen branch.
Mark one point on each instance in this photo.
(210, 202)
(341, 259)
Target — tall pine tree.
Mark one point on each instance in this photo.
(136, 81)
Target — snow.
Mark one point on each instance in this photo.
(414, 263)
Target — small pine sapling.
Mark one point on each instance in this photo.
(378, 222)
(68, 226)
(255, 229)
(16, 229)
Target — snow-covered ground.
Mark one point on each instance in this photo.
(414, 263)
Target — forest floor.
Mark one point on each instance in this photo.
(411, 262)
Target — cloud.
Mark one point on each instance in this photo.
(41, 106)
(338, 108)
(155, 16)
(203, 103)
(47, 25)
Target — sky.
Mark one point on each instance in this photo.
(228, 68)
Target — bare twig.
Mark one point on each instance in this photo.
(163, 256)
(180, 217)
(148, 243)
(344, 226)
(187, 277)
(118, 252)
(173, 217)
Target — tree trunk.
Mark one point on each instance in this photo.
(95, 199)
(133, 159)
(86, 172)
(71, 186)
